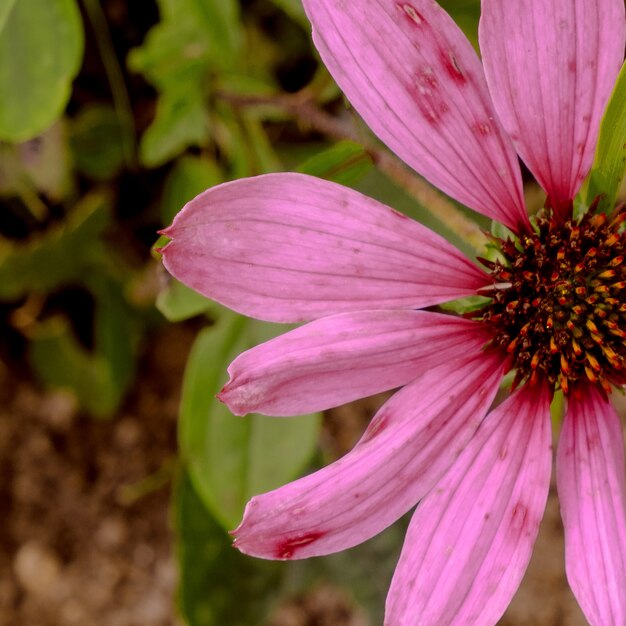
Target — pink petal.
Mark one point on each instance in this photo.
(410, 442)
(417, 82)
(592, 492)
(344, 357)
(551, 67)
(290, 248)
(471, 538)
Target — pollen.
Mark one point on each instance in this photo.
(557, 306)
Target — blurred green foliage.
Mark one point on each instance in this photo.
(41, 46)
(218, 585)
(610, 158)
(214, 88)
(229, 460)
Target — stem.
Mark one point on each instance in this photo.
(31, 200)
(121, 100)
(307, 112)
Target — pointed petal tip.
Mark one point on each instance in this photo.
(236, 545)
(162, 249)
(223, 394)
(167, 231)
(227, 397)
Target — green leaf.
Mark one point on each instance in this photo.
(217, 586)
(222, 24)
(58, 257)
(610, 158)
(180, 121)
(177, 302)
(230, 458)
(5, 9)
(344, 163)
(193, 39)
(41, 47)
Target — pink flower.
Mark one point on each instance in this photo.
(290, 248)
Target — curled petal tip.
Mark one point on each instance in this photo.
(162, 249)
(240, 399)
(226, 389)
(235, 545)
(227, 397)
(167, 232)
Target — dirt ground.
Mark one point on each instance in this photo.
(86, 538)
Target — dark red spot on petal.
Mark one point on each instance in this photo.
(412, 14)
(427, 79)
(519, 517)
(430, 115)
(451, 64)
(482, 128)
(427, 95)
(288, 547)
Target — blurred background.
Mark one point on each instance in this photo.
(120, 473)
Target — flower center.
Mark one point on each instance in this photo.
(558, 301)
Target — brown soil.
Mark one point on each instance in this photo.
(86, 538)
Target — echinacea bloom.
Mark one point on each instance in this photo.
(291, 248)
